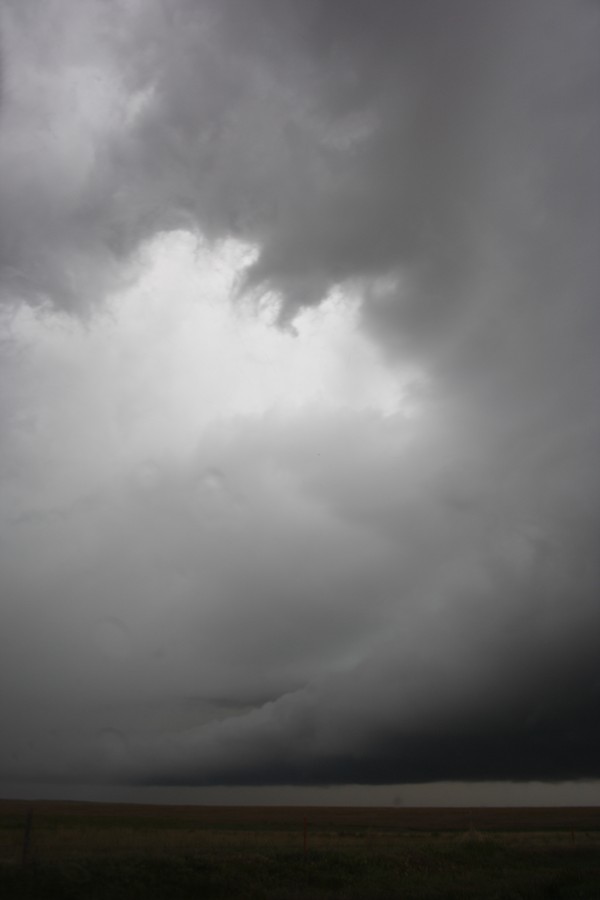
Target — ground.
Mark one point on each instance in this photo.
(78, 850)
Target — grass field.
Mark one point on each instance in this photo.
(78, 850)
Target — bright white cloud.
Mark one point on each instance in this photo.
(176, 352)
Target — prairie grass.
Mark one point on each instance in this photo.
(84, 850)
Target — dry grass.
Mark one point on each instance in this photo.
(97, 850)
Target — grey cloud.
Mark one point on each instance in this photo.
(350, 600)
(497, 681)
(292, 629)
(347, 142)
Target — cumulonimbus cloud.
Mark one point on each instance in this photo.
(362, 546)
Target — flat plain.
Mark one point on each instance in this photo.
(117, 851)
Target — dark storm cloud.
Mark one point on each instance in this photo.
(400, 603)
(335, 136)
(501, 682)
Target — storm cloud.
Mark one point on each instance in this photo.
(299, 433)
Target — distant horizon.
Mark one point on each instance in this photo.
(583, 794)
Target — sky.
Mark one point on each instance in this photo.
(299, 430)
